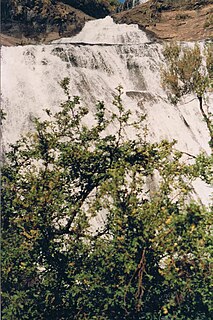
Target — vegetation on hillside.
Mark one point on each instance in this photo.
(180, 4)
(28, 21)
(38, 18)
(149, 258)
(17, 8)
(184, 20)
(94, 8)
(163, 5)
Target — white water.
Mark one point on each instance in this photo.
(105, 31)
(101, 57)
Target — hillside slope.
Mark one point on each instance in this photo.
(185, 20)
(40, 21)
(26, 21)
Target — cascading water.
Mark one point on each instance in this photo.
(97, 60)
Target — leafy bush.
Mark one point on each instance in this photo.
(149, 258)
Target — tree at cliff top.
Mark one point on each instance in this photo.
(189, 71)
(150, 256)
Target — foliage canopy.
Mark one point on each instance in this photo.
(149, 258)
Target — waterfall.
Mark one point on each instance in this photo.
(97, 60)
